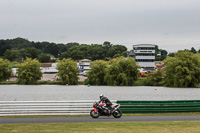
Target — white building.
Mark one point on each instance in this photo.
(85, 64)
(144, 54)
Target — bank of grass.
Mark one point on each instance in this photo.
(39, 82)
(140, 82)
(106, 127)
(8, 82)
(54, 83)
(48, 83)
(198, 85)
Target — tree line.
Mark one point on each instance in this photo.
(117, 72)
(182, 70)
(19, 48)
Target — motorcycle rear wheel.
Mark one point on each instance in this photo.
(94, 114)
(117, 113)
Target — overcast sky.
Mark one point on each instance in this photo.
(171, 24)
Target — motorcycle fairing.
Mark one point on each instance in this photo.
(95, 110)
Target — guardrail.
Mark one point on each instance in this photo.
(11, 108)
(45, 107)
(171, 106)
(83, 107)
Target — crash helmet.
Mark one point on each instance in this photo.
(101, 96)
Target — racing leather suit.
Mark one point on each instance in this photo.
(107, 102)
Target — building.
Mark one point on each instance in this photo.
(144, 54)
(85, 64)
(48, 68)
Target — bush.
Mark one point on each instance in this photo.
(97, 73)
(5, 70)
(44, 57)
(154, 79)
(29, 72)
(67, 71)
(183, 70)
(122, 72)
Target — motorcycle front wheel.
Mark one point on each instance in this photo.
(94, 114)
(117, 113)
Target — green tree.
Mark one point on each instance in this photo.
(3, 47)
(33, 52)
(78, 52)
(64, 55)
(160, 54)
(44, 58)
(67, 71)
(71, 44)
(116, 55)
(29, 71)
(97, 72)
(19, 43)
(96, 52)
(193, 50)
(182, 70)
(171, 54)
(125, 53)
(12, 55)
(116, 49)
(154, 79)
(122, 72)
(5, 70)
(23, 53)
(198, 54)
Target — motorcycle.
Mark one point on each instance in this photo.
(102, 110)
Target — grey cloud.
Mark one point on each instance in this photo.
(127, 22)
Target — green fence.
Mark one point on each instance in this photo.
(171, 106)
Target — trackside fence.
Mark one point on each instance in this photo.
(171, 106)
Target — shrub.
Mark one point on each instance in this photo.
(5, 70)
(29, 71)
(67, 71)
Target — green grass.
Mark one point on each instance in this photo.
(39, 82)
(8, 82)
(198, 85)
(48, 82)
(105, 127)
(140, 82)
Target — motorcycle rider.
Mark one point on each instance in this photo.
(105, 100)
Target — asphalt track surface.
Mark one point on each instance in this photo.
(100, 119)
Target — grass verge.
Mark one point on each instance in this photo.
(97, 127)
(8, 82)
(39, 82)
(140, 82)
(48, 83)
